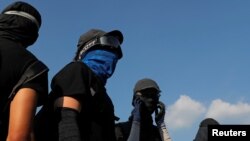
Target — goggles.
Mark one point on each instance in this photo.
(104, 42)
(148, 94)
(109, 41)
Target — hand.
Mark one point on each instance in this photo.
(160, 115)
(136, 112)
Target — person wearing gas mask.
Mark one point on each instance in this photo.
(23, 77)
(79, 108)
(140, 126)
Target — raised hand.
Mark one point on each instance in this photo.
(160, 115)
(136, 112)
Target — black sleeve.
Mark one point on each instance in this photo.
(68, 129)
(40, 84)
(35, 77)
(72, 80)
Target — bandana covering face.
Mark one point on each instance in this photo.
(102, 62)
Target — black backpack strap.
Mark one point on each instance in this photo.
(34, 70)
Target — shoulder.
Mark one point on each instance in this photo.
(75, 73)
(121, 130)
(10, 47)
(20, 58)
(123, 126)
(75, 66)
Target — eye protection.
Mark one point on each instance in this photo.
(109, 41)
(149, 94)
(104, 42)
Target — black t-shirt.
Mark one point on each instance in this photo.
(122, 131)
(96, 120)
(14, 60)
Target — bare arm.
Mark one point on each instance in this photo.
(68, 102)
(22, 112)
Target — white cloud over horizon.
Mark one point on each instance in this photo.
(186, 111)
(228, 113)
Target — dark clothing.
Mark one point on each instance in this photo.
(96, 119)
(14, 60)
(68, 120)
(16, 34)
(202, 133)
(18, 28)
(148, 131)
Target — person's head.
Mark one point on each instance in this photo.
(100, 50)
(202, 133)
(149, 92)
(20, 21)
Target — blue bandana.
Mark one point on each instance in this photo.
(102, 62)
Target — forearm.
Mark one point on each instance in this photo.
(164, 132)
(67, 110)
(68, 129)
(134, 132)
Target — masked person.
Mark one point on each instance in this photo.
(140, 126)
(202, 133)
(79, 108)
(23, 78)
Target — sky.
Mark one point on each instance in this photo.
(196, 50)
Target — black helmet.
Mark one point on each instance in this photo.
(144, 84)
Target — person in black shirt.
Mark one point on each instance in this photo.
(23, 78)
(140, 126)
(202, 133)
(79, 108)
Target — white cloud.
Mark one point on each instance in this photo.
(186, 111)
(183, 117)
(228, 113)
(183, 112)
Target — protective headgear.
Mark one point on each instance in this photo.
(98, 39)
(144, 84)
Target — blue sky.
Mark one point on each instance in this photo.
(197, 51)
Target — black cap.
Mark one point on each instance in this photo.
(95, 33)
(145, 84)
(24, 7)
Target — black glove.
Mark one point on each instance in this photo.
(136, 112)
(160, 115)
